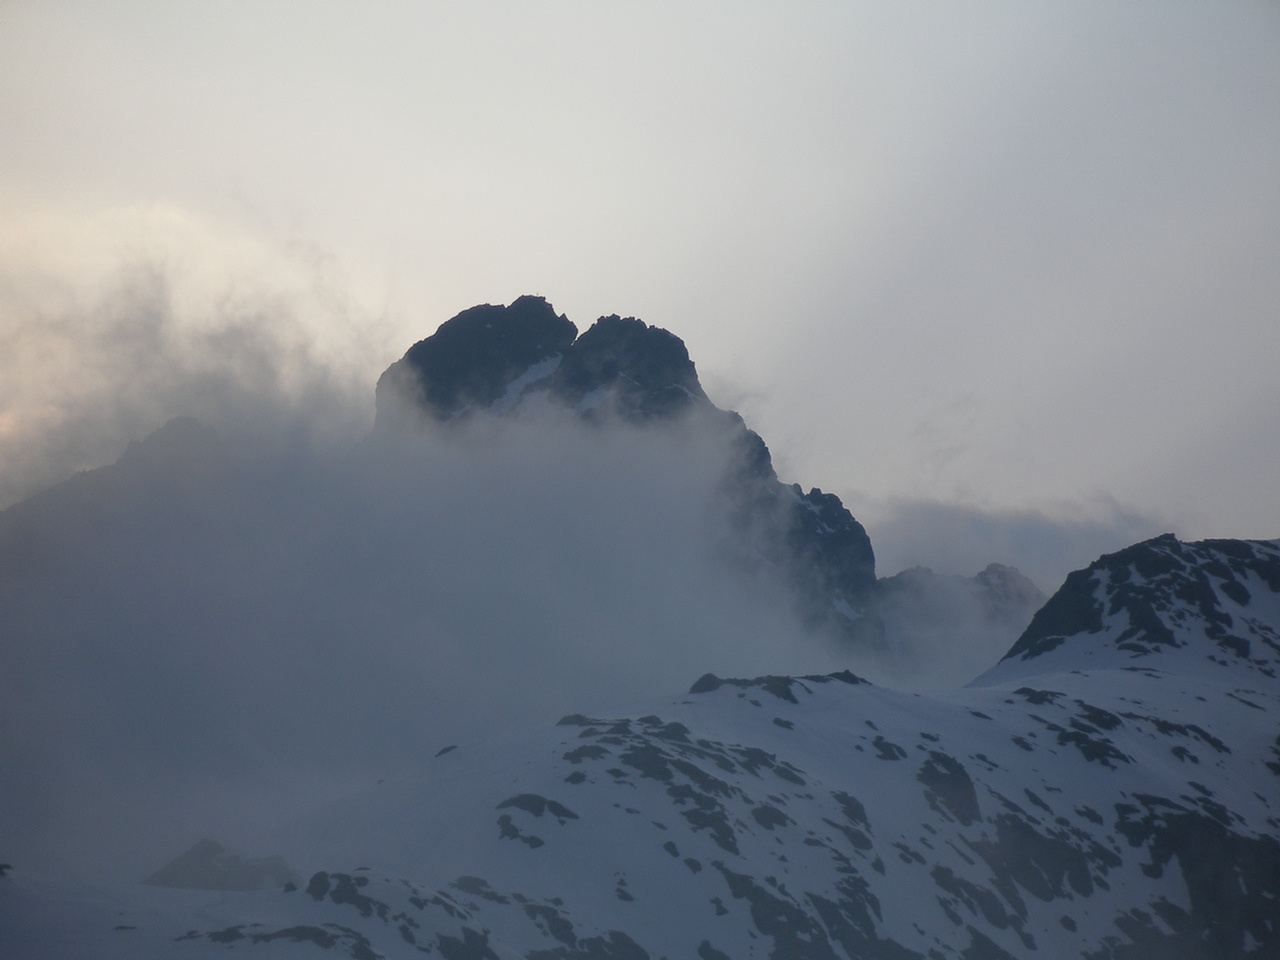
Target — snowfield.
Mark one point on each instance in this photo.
(1108, 790)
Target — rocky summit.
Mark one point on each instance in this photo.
(492, 359)
(495, 358)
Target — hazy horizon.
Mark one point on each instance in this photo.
(257, 379)
(997, 268)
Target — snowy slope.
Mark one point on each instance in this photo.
(1108, 790)
(1156, 604)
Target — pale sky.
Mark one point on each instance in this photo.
(1010, 261)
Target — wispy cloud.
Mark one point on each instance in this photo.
(962, 539)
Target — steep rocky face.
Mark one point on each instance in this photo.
(491, 356)
(635, 371)
(472, 359)
(494, 358)
(832, 563)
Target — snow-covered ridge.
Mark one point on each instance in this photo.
(1083, 808)
(1161, 604)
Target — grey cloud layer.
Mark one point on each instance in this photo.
(987, 254)
(229, 624)
(206, 612)
(81, 376)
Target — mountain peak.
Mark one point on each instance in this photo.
(1157, 603)
(472, 358)
(646, 369)
(489, 356)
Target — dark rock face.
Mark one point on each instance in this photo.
(1072, 610)
(620, 366)
(492, 357)
(472, 358)
(644, 372)
(833, 550)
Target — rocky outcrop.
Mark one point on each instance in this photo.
(625, 367)
(489, 357)
(495, 358)
(469, 363)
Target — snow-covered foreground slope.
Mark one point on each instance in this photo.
(1109, 790)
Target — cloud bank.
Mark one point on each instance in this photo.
(214, 623)
(259, 607)
(90, 362)
(1045, 545)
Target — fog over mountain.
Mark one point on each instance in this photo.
(282, 660)
(947, 316)
(223, 619)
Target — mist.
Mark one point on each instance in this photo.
(228, 625)
(262, 604)
(89, 364)
(1045, 545)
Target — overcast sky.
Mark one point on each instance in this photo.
(1012, 264)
